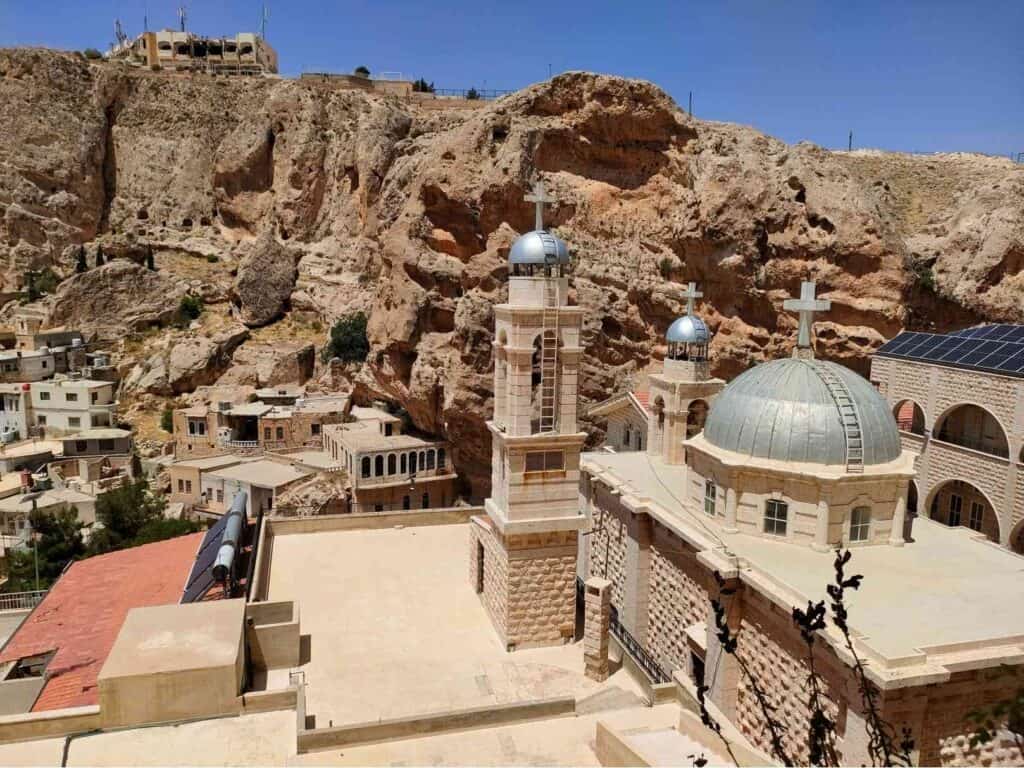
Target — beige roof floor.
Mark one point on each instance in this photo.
(261, 739)
(946, 586)
(397, 630)
(557, 741)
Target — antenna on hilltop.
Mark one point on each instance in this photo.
(182, 16)
(119, 34)
(264, 18)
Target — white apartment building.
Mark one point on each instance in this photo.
(65, 405)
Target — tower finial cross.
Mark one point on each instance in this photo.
(806, 305)
(691, 294)
(538, 197)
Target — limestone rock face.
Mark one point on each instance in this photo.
(267, 365)
(266, 278)
(341, 201)
(186, 363)
(116, 298)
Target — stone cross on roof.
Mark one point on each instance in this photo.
(691, 294)
(539, 197)
(806, 305)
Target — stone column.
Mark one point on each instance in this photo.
(596, 618)
(821, 531)
(731, 503)
(899, 517)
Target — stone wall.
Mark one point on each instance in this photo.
(938, 717)
(541, 588)
(770, 645)
(678, 599)
(608, 543)
(494, 590)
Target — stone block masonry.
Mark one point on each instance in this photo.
(597, 619)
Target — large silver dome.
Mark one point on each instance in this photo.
(688, 329)
(784, 410)
(538, 247)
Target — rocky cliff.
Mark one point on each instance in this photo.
(343, 200)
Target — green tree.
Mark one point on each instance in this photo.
(164, 528)
(92, 54)
(361, 71)
(472, 94)
(80, 263)
(167, 420)
(124, 513)
(348, 340)
(422, 86)
(60, 542)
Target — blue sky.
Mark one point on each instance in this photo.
(903, 75)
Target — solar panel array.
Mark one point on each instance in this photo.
(994, 348)
(201, 577)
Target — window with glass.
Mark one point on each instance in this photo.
(977, 514)
(710, 496)
(545, 461)
(74, 421)
(860, 524)
(956, 508)
(44, 395)
(365, 468)
(776, 517)
(71, 397)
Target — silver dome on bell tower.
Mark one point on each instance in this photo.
(538, 248)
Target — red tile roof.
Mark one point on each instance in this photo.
(82, 614)
(644, 398)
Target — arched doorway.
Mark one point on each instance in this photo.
(971, 426)
(909, 417)
(959, 503)
(696, 415)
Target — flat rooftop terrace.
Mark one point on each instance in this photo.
(396, 629)
(946, 587)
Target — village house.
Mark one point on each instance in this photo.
(262, 481)
(958, 399)
(15, 404)
(186, 477)
(64, 404)
(388, 469)
(288, 421)
(624, 418)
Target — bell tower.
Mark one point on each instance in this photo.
(681, 394)
(523, 551)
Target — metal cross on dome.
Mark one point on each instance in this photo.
(691, 294)
(806, 305)
(538, 197)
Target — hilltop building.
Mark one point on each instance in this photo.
(168, 49)
(959, 404)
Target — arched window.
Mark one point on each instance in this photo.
(378, 466)
(957, 502)
(430, 458)
(440, 458)
(909, 417)
(423, 460)
(973, 427)
(391, 464)
(696, 415)
(402, 464)
(544, 383)
(412, 463)
(366, 466)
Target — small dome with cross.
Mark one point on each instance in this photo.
(539, 247)
(688, 329)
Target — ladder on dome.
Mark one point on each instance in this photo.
(848, 415)
(549, 358)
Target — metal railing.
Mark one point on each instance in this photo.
(484, 94)
(21, 601)
(639, 654)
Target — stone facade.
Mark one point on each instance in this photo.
(527, 583)
(678, 599)
(596, 620)
(939, 391)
